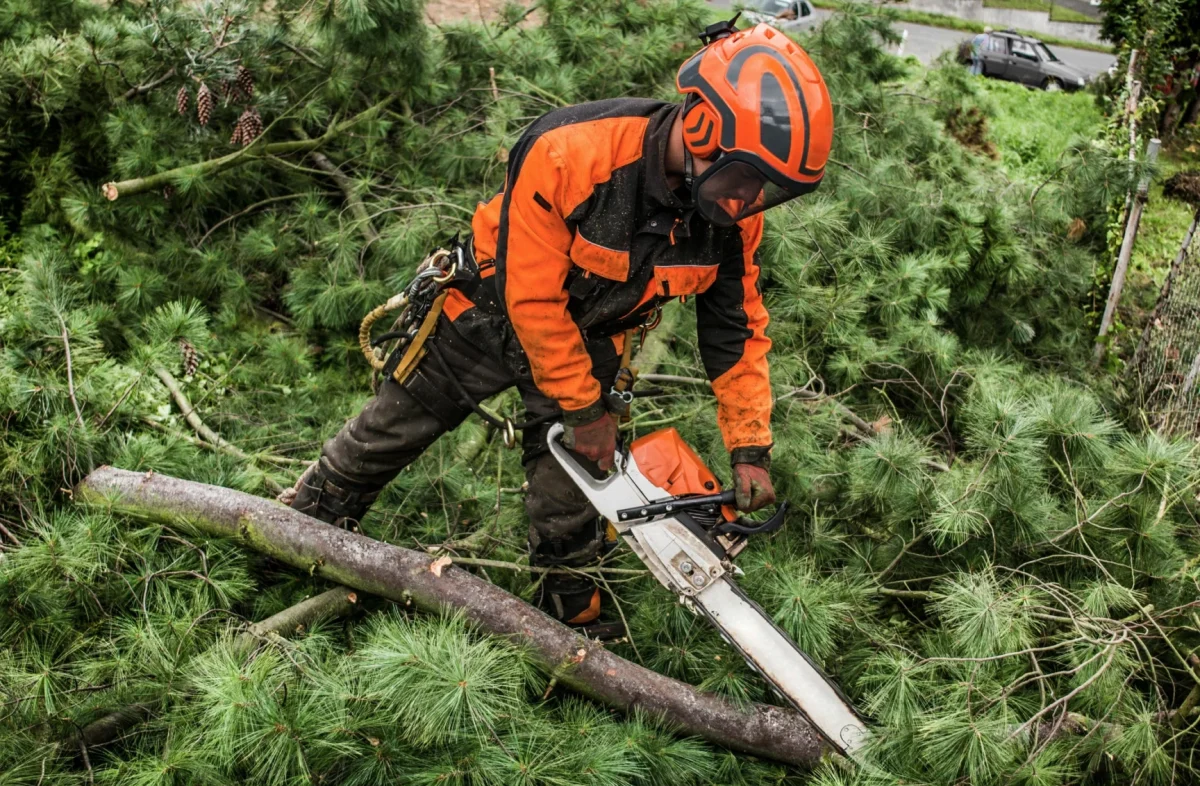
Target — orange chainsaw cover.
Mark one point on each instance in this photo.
(670, 463)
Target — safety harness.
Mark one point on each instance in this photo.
(420, 305)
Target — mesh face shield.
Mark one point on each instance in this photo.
(734, 188)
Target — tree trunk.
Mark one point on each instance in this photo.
(1169, 121)
(406, 576)
(1175, 103)
(1193, 113)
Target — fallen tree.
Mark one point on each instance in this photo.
(407, 576)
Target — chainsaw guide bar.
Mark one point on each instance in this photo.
(660, 498)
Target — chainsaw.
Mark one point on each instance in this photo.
(667, 505)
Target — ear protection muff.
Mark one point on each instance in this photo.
(701, 128)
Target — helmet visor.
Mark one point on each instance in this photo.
(732, 190)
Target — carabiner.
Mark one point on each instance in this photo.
(442, 279)
(652, 319)
(626, 396)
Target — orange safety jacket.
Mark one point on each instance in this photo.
(588, 240)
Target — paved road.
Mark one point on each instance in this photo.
(926, 43)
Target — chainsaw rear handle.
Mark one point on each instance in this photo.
(607, 495)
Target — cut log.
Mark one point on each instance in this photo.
(405, 576)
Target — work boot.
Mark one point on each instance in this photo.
(571, 598)
(574, 600)
(324, 494)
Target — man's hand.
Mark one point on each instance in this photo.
(595, 440)
(752, 485)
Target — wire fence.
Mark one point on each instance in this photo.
(1167, 360)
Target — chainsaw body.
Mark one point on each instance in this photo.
(670, 509)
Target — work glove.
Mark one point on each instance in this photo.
(594, 439)
(752, 487)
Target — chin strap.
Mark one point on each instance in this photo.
(687, 168)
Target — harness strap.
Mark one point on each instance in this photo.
(621, 395)
(416, 348)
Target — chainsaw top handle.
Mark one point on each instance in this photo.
(708, 503)
(616, 500)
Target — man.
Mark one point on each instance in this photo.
(610, 209)
(978, 45)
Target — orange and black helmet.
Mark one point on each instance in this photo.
(756, 105)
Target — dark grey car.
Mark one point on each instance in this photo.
(1017, 58)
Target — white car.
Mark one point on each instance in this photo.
(784, 14)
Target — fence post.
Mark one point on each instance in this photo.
(1131, 228)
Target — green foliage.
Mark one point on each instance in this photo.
(1035, 131)
(997, 553)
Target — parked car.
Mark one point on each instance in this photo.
(784, 14)
(1018, 58)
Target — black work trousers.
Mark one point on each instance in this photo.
(402, 421)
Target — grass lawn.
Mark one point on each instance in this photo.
(1020, 5)
(1060, 13)
(1032, 128)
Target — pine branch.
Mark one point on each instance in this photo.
(8, 534)
(194, 420)
(865, 428)
(336, 602)
(211, 439)
(518, 20)
(138, 90)
(70, 371)
(845, 412)
(405, 576)
(242, 212)
(357, 209)
(257, 149)
(111, 726)
(1180, 716)
(292, 620)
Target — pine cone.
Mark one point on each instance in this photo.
(226, 88)
(245, 81)
(251, 125)
(181, 100)
(191, 357)
(256, 121)
(204, 104)
(168, 192)
(237, 137)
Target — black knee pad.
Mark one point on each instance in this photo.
(326, 495)
(576, 550)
